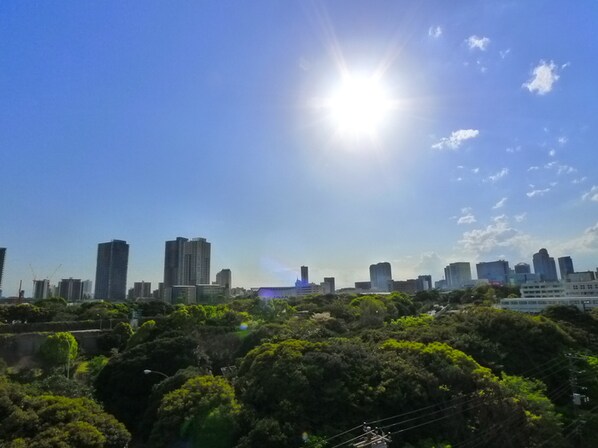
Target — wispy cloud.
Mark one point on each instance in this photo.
(591, 195)
(520, 218)
(500, 204)
(534, 193)
(563, 140)
(579, 180)
(544, 75)
(435, 32)
(514, 149)
(466, 219)
(496, 177)
(504, 53)
(456, 139)
(476, 42)
(552, 152)
(533, 168)
(560, 168)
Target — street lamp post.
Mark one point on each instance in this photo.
(148, 371)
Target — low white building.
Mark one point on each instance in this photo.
(538, 295)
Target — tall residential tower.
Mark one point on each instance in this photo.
(187, 262)
(111, 271)
(544, 266)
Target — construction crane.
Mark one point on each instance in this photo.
(54, 273)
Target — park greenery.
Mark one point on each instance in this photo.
(307, 372)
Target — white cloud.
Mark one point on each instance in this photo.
(504, 53)
(514, 149)
(579, 180)
(456, 139)
(566, 169)
(500, 203)
(481, 43)
(587, 242)
(499, 234)
(475, 170)
(552, 153)
(495, 177)
(543, 78)
(534, 193)
(560, 168)
(591, 195)
(563, 140)
(533, 168)
(466, 219)
(435, 32)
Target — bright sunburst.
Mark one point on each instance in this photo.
(359, 106)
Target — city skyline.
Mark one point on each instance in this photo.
(223, 121)
(456, 274)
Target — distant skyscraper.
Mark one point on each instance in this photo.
(494, 271)
(424, 282)
(142, 290)
(545, 266)
(328, 285)
(224, 278)
(381, 276)
(566, 267)
(187, 262)
(111, 271)
(41, 289)
(70, 289)
(87, 289)
(2, 257)
(522, 268)
(457, 274)
(304, 276)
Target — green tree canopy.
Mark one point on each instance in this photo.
(202, 412)
(59, 349)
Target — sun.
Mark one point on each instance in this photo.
(359, 106)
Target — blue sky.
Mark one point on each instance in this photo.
(145, 121)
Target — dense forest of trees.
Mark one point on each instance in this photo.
(308, 372)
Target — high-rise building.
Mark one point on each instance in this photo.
(522, 268)
(70, 289)
(381, 276)
(174, 258)
(304, 276)
(328, 285)
(224, 279)
(544, 266)
(2, 257)
(41, 289)
(494, 271)
(566, 267)
(424, 282)
(187, 262)
(457, 275)
(87, 289)
(142, 290)
(111, 271)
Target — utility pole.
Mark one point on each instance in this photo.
(577, 398)
(372, 438)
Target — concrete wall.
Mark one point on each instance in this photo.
(16, 346)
